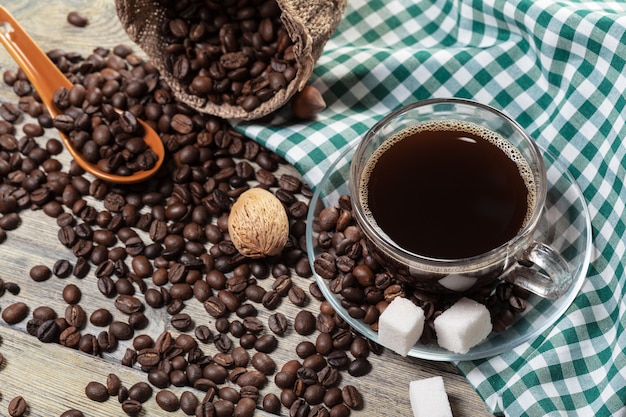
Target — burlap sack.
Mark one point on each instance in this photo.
(309, 23)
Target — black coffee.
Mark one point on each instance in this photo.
(448, 189)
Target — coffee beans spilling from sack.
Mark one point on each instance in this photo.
(240, 59)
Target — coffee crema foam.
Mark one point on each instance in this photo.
(455, 126)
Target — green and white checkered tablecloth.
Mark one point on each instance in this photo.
(558, 69)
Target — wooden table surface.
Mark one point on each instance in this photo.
(52, 378)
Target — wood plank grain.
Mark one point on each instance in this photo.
(51, 377)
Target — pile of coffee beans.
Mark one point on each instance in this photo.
(164, 244)
(366, 288)
(110, 140)
(229, 52)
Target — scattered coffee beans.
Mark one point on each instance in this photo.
(164, 243)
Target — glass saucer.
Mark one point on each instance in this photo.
(566, 227)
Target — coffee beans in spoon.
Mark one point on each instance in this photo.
(113, 141)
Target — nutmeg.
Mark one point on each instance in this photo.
(258, 224)
(307, 103)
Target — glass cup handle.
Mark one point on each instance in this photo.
(550, 278)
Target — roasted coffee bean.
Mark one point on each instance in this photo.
(339, 410)
(203, 334)
(71, 294)
(304, 323)
(15, 313)
(40, 273)
(338, 359)
(96, 391)
(359, 367)
(140, 392)
(181, 321)
(352, 397)
(72, 412)
(75, 316)
(12, 287)
(48, 331)
(113, 384)
(44, 313)
(121, 330)
(266, 343)
(132, 407)
(285, 379)
(62, 268)
(159, 378)
(297, 296)
(81, 267)
(278, 323)
(271, 403)
(17, 406)
(262, 362)
(77, 19)
(188, 402)
(128, 304)
(70, 337)
(305, 349)
(167, 400)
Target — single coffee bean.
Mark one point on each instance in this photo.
(203, 333)
(113, 384)
(72, 412)
(359, 367)
(297, 296)
(271, 403)
(75, 316)
(181, 321)
(304, 323)
(266, 343)
(96, 391)
(263, 362)
(132, 407)
(339, 410)
(188, 402)
(71, 294)
(40, 273)
(15, 313)
(121, 330)
(17, 406)
(167, 400)
(70, 337)
(278, 323)
(101, 317)
(128, 304)
(43, 313)
(62, 268)
(352, 397)
(140, 392)
(78, 19)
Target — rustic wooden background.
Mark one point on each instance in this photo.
(52, 378)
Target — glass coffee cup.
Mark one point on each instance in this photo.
(448, 194)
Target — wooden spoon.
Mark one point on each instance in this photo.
(47, 78)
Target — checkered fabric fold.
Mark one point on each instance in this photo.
(558, 69)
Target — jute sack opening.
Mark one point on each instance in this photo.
(309, 24)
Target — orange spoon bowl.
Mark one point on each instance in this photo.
(46, 78)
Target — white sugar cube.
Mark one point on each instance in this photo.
(428, 398)
(463, 326)
(400, 325)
